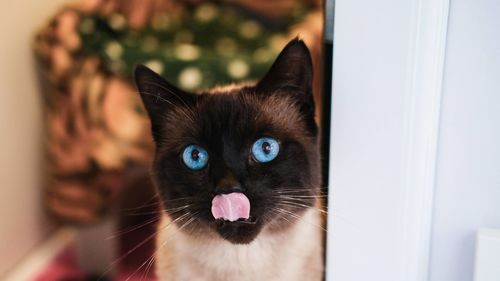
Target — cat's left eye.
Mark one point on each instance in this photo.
(265, 149)
(195, 157)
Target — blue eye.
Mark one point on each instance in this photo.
(265, 149)
(195, 157)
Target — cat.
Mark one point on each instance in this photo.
(237, 169)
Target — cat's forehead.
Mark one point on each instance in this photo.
(237, 112)
(247, 109)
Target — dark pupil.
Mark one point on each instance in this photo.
(195, 155)
(266, 147)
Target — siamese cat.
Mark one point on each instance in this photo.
(237, 169)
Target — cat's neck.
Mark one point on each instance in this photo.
(285, 255)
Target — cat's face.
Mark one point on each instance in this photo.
(258, 142)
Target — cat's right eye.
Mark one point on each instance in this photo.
(265, 149)
(195, 157)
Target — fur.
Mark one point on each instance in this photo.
(291, 255)
(283, 239)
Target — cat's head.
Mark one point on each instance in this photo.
(252, 147)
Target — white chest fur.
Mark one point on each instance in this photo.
(293, 255)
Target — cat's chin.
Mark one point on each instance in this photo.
(242, 231)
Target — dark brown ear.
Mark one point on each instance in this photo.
(292, 74)
(292, 69)
(159, 96)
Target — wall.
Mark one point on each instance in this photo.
(370, 92)
(415, 138)
(468, 168)
(22, 221)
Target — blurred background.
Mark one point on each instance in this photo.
(75, 145)
(415, 155)
(24, 223)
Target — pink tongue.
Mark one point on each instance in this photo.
(231, 207)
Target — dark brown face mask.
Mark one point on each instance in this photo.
(253, 146)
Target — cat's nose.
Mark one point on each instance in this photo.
(228, 184)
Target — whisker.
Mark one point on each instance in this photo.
(169, 91)
(294, 204)
(148, 267)
(173, 94)
(179, 109)
(146, 204)
(180, 199)
(171, 211)
(302, 196)
(122, 232)
(162, 210)
(297, 188)
(281, 216)
(299, 218)
(301, 200)
(158, 97)
(158, 212)
(164, 243)
(122, 257)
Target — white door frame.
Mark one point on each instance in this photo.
(387, 82)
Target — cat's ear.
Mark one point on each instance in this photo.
(292, 75)
(159, 96)
(292, 70)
